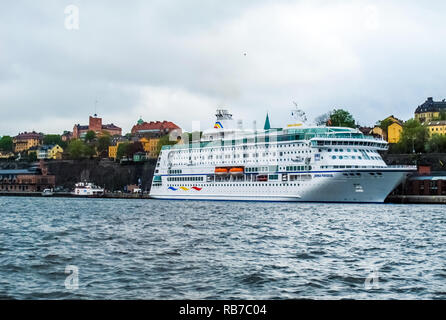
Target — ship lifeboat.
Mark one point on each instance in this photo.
(221, 171)
(236, 171)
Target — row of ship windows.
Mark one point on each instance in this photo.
(350, 150)
(350, 167)
(354, 157)
(245, 155)
(234, 185)
(185, 179)
(223, 148)
(273, 160)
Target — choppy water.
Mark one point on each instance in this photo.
(149, 249)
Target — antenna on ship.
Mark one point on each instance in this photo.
(298, 115)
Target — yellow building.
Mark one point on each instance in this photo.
(437, 127)
(27, 140)
(50, 152)
(430, 110)
(6, 154)
(113, 151)
(150, 146)
(393, 132)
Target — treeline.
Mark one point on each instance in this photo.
(91, 146)
(415, 138)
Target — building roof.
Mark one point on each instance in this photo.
(155, 126)
(110, 127)
(48, 147)
(431, 106)
(29, 135)
(83, 127)
(16, 171)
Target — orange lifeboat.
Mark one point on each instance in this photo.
(221, 171)
(236, 171)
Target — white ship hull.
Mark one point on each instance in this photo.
(335, 188)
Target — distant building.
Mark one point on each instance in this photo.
(113, 151)
(26, 140)
(6, 154)
(66, 136)
(26, 180)
(50, 152)
(393, 132)
(95, 124)
(155, 129)
(436, 127)
(150, 146)
(430, 110)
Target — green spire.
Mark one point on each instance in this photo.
(267, 125)
(140, 121)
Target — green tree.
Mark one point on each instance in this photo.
(32, 156)
(134, 148)
(341, 118)
(437, 143)
(54, 139)
(413, 137)
(89, 151)
(76, 149)
(6, 143)
(384, 124)
(122, 150)
(163, 141)
(90, 136)
(103, 143)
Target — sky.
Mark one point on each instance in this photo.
(181, 60)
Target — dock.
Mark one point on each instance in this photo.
(108, 195)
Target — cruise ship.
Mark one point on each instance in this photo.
(295, 163)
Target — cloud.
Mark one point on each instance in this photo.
(180, 60)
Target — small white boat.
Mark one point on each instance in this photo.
(87, 189)
(47, 192)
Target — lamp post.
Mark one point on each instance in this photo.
(413, 144)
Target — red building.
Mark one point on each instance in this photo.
(155, 129)
(95, 124)
(26, 180)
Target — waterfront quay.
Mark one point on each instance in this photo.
(107, 195)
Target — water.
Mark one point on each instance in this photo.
(150, 249)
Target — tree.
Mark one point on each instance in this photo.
(341, 118)
(32, 156)
(134, 148)
(90, 136)
(76, 149)
(413, 137)
(103, 143)
(6, 143)
(122, 150)
(54, 139)
(437, 143)
(163, 141)
(89, 151)
(384, 124)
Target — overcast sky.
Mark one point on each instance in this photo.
(180, 60)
